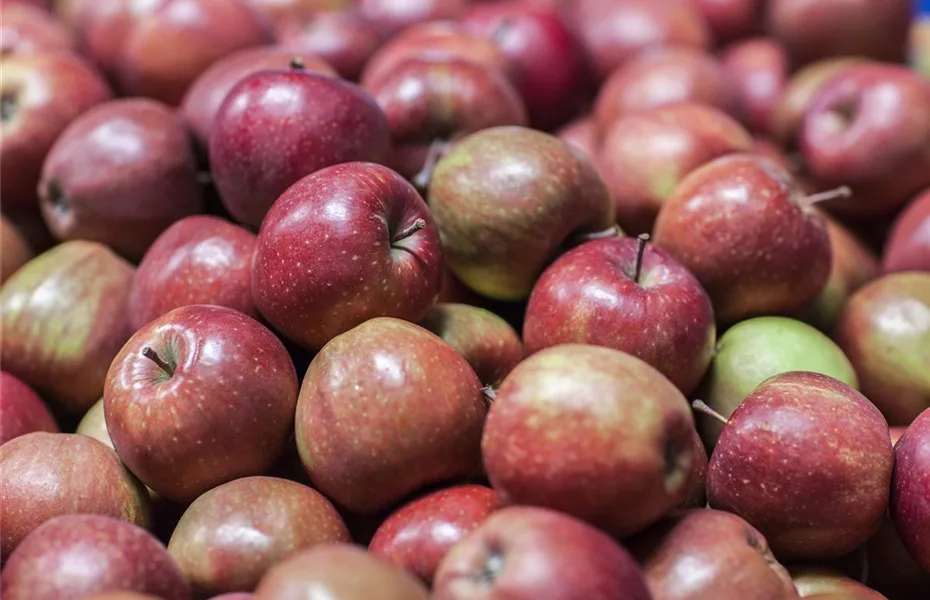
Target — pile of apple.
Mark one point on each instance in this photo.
(465, 300)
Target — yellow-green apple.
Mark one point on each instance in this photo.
(64, 316)
(277, 126)
(73, 556)
(21, 410)
(93, 424)
(908, 245)
(392, 17)
(14, 249)
(758, 69)
(199, 260)
(419, 534)
(529, 553)
(731, 19)
(645, 155)
(807, 461)
(40, 95)
(885, 331)
(585, 429)
(920, 45)
(910, 504)
(26, 29)
(627, 294)
(811, 581)
(120, 174)
(506, 199)
(386, 409)
(343, 38)
(198, 397)
(742, 225)
(345, 244)
(57, 474)
(231, 535)
(340, 571)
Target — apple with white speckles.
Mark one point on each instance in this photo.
(343, 245)
(198, 397)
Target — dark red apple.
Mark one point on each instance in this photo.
(343, 245)
(527, 553)
(275, 127)
(582, 134)
(14, 249)
(869, 128)
(908, 246)
(57, 474)
(386, 409)
(39, 95)
(884, 329)
(21, 410)
(204, 97)
(892, 570)
(64, 317)
(391, 16)
(746, 231)
(198, 260)
(615, 31)
(807, 460)
(910, 503)
(198, 397)
(343, 38)
(338, 571)
(26, 29)
(758, 69)
(419, 534)
(732, 19)
(74, 556)
(231, 535)
(645, 155)
(662, 77)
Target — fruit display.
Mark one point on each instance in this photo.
(465, 299)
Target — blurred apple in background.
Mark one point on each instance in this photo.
(14, 249)
(26, 29)
(583, 134)
(758, 70)
(391, 16)
(908, 246)
(280, 13)
(21, 410)
(732, 19)
(343, 38)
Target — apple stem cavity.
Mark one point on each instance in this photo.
(843, 191)
(406, 232)
(702, 407)
(297, 64)
(640, 250)
(423, 178)
(153, 356)
(492, 568)
(490, 394)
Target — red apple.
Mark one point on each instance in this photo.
(14, 249)
(386, 409)
(231, 535)
(745, 230)
(758, 68)
(281, 13)
(807, 460)
(64, 317)
(199, 397)
(26, 29)
(910, 502)
(121, 595)
(526, 553)
(732, 19)
(73, 556)
(660, 78)
(61, 474)
(198, 260)
(908, 246)
(342, 38)
(275, 127)
(419, 534)
(582, 134)
(41, 94)
(21, 410)
(391, 16)
(645, 155)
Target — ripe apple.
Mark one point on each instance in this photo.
(21, 410)
(419, 534)
(664, 77)
(343, 245)
(26, 29)
(340, 571)
(60, 474)
(41, 94)
(908, 246)
(585, 429)
(910, 506)
(645, 155)
(582, 134)
(869, 128)
(505, 199)
(811, 581)
(120, 174)
(744, 228)
(199, 260)
(73, 556)
(528, 553)
(253, 159)
(384, 410)
(615, 31)
(205, 95)
(758, 69)
(198, 397)
(731, 19)
(343, 38)
(752, 351)
(392, 17)
(885, 331)
(64, 317)
(231, 535)
(703, 554)
(626, 294)
(807, 460)
(14, 249)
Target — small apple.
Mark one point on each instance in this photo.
(343, 38)
(759, 70)
(908, 246)
(21, 410)
(74, 556)
(26, 29)
(14, 249)
(910, 506)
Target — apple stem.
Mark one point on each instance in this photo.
(701, 406)
(841, 192)
(640, 250)
(408, 231)
(297, 63)
(150, 354)
(422, 179)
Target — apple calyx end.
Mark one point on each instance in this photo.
(702, 407)
(844, 191)
(489, 394)
(641, 239)
(8, 106)
(149, 353)
(297, 64)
